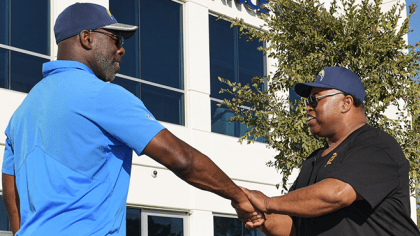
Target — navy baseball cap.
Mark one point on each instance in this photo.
(88, 16)
(339, 78)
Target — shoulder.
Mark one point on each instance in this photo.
(379, 143)
(372, 136)
(117, 93)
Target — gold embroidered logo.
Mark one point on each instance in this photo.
(110, 15)
(331, 159)
(322, 74)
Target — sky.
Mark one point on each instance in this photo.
(414, 37)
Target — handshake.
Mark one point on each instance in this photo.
(251, 212)
(259, 212)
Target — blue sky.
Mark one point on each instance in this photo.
(414, 37)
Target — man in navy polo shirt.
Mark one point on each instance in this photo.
(357, 184)
(67, 159)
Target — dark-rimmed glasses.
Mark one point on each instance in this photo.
(313, 101)
(119, 38)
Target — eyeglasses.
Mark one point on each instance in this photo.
(313, 101)
(119, 40)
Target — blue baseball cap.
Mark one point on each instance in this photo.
(88, 16)
(339, 78)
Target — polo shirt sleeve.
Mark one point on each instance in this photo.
(8, 159)
(370, 171)
(125, 117)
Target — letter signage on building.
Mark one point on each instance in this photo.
(254, 4)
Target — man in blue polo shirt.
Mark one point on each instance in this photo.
(69, 145)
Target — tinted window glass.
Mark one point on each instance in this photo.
(4, 72)
(30, 25)
(4, 22)
(154, 54)
(224, 226)
(165, 105)
(294, 98)
(4, 222)
(236, 59)
(243, 128)
(232, 57)
(26, 71)
(132, 86)
(161, 42)
(219, 120)
(251, 60)
(159, 57)
(165, 226)
(127, 12)
(222, 56)
(133, 222)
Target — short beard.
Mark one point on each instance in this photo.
(106, 66)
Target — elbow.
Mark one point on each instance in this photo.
(342, 201)
(340, 198)
(183, 166)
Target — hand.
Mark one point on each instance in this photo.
(248, 214)
(257, 199)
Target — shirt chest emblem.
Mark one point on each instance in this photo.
(331, 159)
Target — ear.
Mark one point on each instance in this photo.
(86, 39)
(347, 103)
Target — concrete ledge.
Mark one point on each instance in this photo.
(6, 233)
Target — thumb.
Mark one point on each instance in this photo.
(248, 194)
(246, 191)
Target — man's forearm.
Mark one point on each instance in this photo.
(205, 174)
(198, 170)
(192, 166)
(321, 198)
(11, 201)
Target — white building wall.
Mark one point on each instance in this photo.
(245, 164)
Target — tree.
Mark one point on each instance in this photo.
(303, 37)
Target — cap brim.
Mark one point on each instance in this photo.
(304, 89)
(127, 31)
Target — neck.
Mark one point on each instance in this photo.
(345, 131)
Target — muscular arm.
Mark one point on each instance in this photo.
(315, 200)
(195, 168)
(11, 201)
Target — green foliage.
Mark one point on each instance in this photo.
(303, 37)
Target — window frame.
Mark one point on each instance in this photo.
(145, 212)
(236, 72)
(182, 69)
(24, 51)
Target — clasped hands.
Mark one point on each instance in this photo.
(252, 212)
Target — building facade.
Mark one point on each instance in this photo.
(172, 64)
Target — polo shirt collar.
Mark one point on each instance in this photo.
(54, 67)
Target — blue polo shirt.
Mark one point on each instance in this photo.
(70, 145)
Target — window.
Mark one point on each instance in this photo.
(229, 226)
(133, 222)
(235, 59)
(155, 223)
(152, 68)
(24, 42)
(294, 98)
(4, 221)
